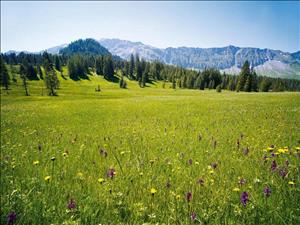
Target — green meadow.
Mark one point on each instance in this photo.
(148, 155)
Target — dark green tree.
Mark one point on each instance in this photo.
(5, 79)
(108, 68)
(245, 72)
(24, 79)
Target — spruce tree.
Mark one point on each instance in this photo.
(24, 79)
(245, 72)
(108, 68)
(131, 67)
(57, 63)
(5, 79)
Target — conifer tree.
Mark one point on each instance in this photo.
(5, 79)
(24, 79)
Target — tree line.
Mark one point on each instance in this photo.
(44, 66)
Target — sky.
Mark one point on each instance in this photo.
(35, 26)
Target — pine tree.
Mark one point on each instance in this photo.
(57, 63)
(40, 72)
(51, 82)
(245, 72)
(24, 79)
(108, 68)
(173, 82)
(99, 65)
(131, 67)
(5, 79)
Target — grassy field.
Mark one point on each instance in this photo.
(148, 155)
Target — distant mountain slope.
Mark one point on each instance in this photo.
(268, 62)
(87, 46)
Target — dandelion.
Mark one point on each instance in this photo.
(71, 204)
(178, 197)
(153, 191)
(236, 189)
(80, 176)
(47, 178)
(36, 162)
(111, 173)
(122, 153)
(267, 192)
(11, 217)
(101, 180)
(65, 154)
(273, 165)
(291, 183)
(189, 196)
(244, 198)
(193, 216)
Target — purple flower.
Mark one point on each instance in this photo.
(11, 217)
(168, 184)
(103, 152)
(287, 163)
(214, 165)
(283, 172)
(71, 204)
(189, 196)
(273, 165)
(200, 181)
(190, 161)
(267, 192)
(111, 173)
(242, 181)
(246, 151)
(193, 216)
(273, 154)
(244, 198)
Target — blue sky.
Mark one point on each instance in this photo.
(35, 26)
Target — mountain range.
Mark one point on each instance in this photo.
(268, 62)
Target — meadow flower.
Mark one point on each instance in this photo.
(193, 216)
(47, 178)
(242, 181)
(103, 152)
(168, 184)
(214, 165)
(36, 162)
(246, 151)
(190, 161)
(111, 173)
(11, 217)
(267, 192)
(287, 163)
(65, 154)
(153, 191)
(178, 197)
(236, 189)
(122, 153)
(283, 172)
(189, 196)
(71, 204)
(101, 180)
(53, 159)
(273, 165)
(291, 183)
(244, 198)
(200, 181)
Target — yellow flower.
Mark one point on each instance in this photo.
(178, 197)
(47, 178)
(197, 163)
(101, 180)
(36, 162)
(291, 183)
(80, 175)
(141, 174)
(122, 153)
(65, 154)
(236, 189)
(153, 191)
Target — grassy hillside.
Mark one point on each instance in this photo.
(148, 155)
